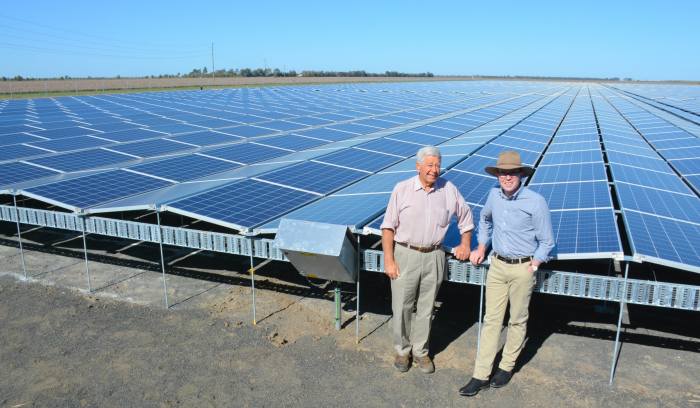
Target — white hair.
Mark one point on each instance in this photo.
(428, 151)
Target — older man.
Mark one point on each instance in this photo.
(517, 222)
(416, 219)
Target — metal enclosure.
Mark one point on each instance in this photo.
(319, 250)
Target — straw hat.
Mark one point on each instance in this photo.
(509, 160)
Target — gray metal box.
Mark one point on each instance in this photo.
(319, 250)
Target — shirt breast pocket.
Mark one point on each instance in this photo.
(441, 217)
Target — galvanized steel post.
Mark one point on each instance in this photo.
(481, 308)
(87, 265)
(357, 306)
(19, 238)
(162, 261)
(252, 280)
(623, 299)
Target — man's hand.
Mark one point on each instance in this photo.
(534, 262)
(462, 252)
(477, 255)
(391, 269)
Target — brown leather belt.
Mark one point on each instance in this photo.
(513, 260)
(425, 250)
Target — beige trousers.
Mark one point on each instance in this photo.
(505, 283)
(420, 275)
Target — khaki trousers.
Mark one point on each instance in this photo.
(505, 283)
(420, 274)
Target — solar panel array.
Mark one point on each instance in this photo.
(244, 158)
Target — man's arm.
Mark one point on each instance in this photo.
(544, 235)
(391, 269)
(484, 234)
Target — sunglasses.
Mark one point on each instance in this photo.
(514, 172)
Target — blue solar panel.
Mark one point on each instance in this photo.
(437, 131)
(206, 138)
(355, 128)
(131, 135)
(585, 232)
(583, 156)
(557, 146)
(383, 145)
(351, 210)
(151, 148)
(663, 203)
(282, 125)
(185, 168)
(690, 141)
(177, 128)
(11, 173)
(575, 195)
(6, 130)
(694, 180)
(247, 153)
(686, 153)
(15, 152)
(639, 161)
(14, 138)
(246, 203)
(113, 126)
(474, 188)
(476, 164)
(569, 173)
(643, 177)
(247, 131)
(311, 121)
(292, 142)
(327, 134)
(377, 183)
(493, 150)
(513, 143)
(452, 237)
(631, 149)
(359, 159)
(72, 143)
(418, 138)
(82, 160)
(315, 177)
(88, 191)
(64, 132)
(665, 239)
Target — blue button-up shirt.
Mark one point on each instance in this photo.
(520, 225)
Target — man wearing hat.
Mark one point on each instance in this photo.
(516, 222)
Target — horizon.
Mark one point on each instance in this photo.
(643, 41)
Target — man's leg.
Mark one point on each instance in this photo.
(403, 296)
(520, 292)
(431, 278)
(496, 302)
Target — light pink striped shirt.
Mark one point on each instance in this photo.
(421, 218)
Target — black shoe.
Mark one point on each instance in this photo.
(501, 378)
(473, 387)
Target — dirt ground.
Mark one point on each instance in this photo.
(117, 346)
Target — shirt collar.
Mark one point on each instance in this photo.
(515, 194)
(418, 186)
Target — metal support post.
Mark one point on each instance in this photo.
(619, 325)
(19, 237)
(162, 261)
(357, 296)
(337, 305)
(252, 280)
(87, 265)
(481, 308)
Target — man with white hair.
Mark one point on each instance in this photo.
(415, 223)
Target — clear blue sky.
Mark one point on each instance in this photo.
(638, 39)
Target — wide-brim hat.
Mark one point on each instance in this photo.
(509, 160)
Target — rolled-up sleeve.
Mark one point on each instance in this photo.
(542, 221)
(485, 222)
(465, 219)
(391, 216)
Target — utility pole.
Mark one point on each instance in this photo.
(212, 59)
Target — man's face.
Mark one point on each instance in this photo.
(428, 170)
(509, 180)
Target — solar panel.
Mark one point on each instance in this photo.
(649, 178)
(14, 138)
(247, 153)
(667, 240)
(384, 145)
(583, 156)
(594, 194)
(82, 160)
(177, 128)
(15, 152)
(64, 132)
(245, 204)
(292, 142)
(315, 177)
(492, 150)
(247, 131)
(17, 172)
(649, 163)
(585, 232)
(72, 143)
(131, 135)
(658, 202)
(474, 188)
(434, 130)
(282, 125)
(417, 138)
(151, 148)
(185, 168)
(569, 173)
(88, 191)
(359, 159)
(377, 183)
(206, 138)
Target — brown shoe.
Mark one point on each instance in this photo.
(425, 364)
(402, 363)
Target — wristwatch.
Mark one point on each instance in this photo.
(534, 268)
